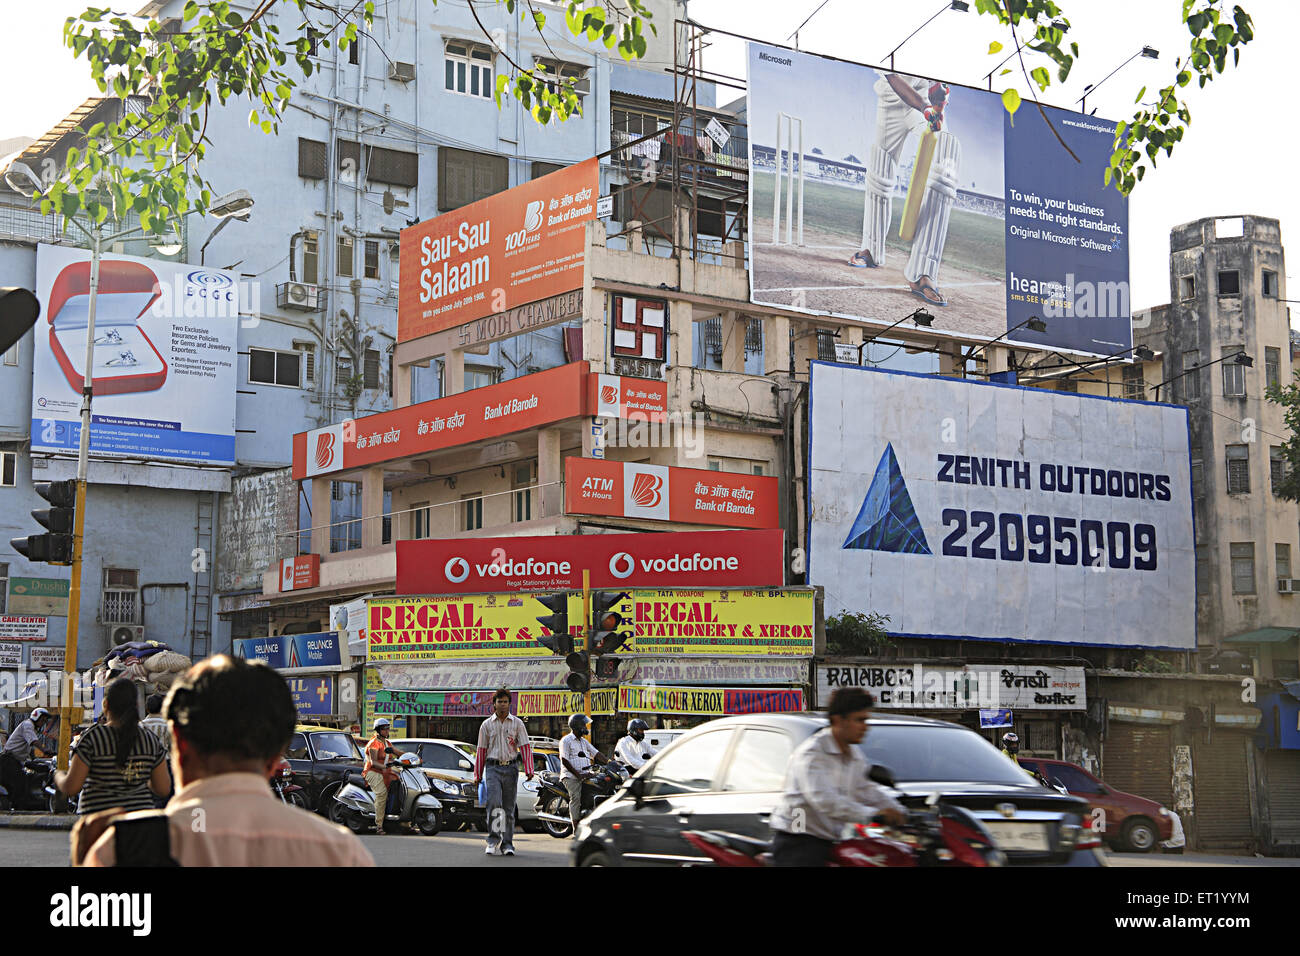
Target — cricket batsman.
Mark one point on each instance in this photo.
(903, 103)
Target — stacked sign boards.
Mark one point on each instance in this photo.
(970, 510)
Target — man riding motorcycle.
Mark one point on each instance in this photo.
(17, 750)
(379, 754)
(576, 755)
(632, 750)
(1011, 748)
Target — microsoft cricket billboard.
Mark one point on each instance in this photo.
(874, 193)
(979, 511)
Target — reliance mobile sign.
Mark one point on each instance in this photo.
(514, 247)
(978, 511)
(556, 562)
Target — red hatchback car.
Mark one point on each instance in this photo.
(1129, 822)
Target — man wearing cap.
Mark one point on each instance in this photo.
(377, 771)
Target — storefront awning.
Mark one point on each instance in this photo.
(1264, 635)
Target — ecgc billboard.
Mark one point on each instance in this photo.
(873, 193)
(978, 511)
(164, 358)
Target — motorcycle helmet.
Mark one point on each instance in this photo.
(39, 714)
(636, 728)
(579, 724)
(382, 722)
(1011, 742)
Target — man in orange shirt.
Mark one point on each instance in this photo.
(230, 720)
(378, 771)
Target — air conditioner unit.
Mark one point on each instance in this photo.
(300, 296)
(401, 72)
(125, 633)
(1286, 586)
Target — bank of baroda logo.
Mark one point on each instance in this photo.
(887, 521)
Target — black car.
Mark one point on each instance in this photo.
(322, 758)
(728, 775)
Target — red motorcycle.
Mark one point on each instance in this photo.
(284, 787)
(938, 835)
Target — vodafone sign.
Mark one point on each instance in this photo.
(555, 562)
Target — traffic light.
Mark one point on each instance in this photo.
(606, 623)
(579, 676)
(56, 546)
(607, 668)
(559, 640)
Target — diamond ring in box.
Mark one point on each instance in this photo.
(127, 290)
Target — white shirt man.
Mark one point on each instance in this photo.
(632, 752)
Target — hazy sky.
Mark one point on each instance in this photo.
(1234, 159)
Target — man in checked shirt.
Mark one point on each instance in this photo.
(502, 741)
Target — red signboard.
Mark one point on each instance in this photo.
(517, 405)
(530, 401)
(697, 559)
(521, 245)
(663, 493)
(300, 572)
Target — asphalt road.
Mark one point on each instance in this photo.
(50, 848)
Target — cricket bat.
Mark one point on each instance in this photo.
(916, 187)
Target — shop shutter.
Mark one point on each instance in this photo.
(1138, 759)
(1283, 769)
(1220, 783)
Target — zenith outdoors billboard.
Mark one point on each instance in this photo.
(518, 246)
(979, 511)
(163, 361)
(907, 193)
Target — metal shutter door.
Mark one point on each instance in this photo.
(1283, 769)
(1222, 791)
(1138, 759)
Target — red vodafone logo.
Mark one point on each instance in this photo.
(621, 565)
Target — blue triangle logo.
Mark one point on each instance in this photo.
(887, 521)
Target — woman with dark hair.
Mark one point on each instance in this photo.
(117, 762)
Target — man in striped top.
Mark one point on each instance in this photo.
(502, 741)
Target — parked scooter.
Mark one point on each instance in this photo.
(283, 786)
(410, 795)
(938, 835)
(553, 798)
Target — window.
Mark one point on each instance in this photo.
(297, 749)
(1238, 459)
(1268, 284)
(372, 259)
(441, 757)
(825, 345)
(345, 264)
(1191, 380)
(311, 258)
(541, 169)
(715, 465)
(354, 52)
(308, 352)
(1273, 367)
(8, 469)
(393, 166)
(1276, 467)
(121, 597)
(370, 368)
(557, 71)
(420, 520)
(759, 761)
(1243, 567)
(267, 367)
(471, 507)
(465, 177)
(1135, 385)
(522, 499)
(468, 69)
(11, 354)
(311, 158)
(758, 470)
(1072, 778)
(1202, 572)
(342, 371)
(477, 376)
(1198, 478)
(691, 767)
(1282, 560)
(4, 586)
(1230, 282)
(1234, 375)
(1187, 287)
(313, 41)
(1067, 385)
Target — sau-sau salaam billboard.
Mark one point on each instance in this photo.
(990, 512)
(913, 193)
(518, 246)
